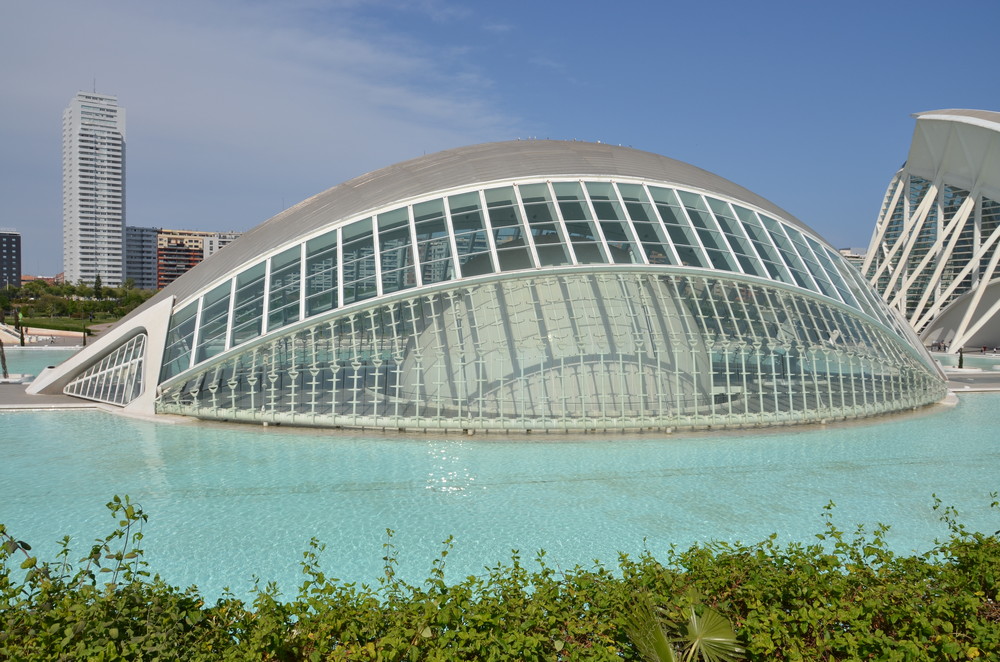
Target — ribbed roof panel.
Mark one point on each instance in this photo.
(464, 166)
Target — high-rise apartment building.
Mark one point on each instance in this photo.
(140, 256)
(93, 189)
(10, 258)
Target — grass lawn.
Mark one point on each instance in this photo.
(64, 323)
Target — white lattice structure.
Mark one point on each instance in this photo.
(529, 285)
(934, 254)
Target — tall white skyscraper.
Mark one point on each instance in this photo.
(93, 189)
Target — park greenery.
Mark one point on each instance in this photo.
(844, 596)
(37, 304)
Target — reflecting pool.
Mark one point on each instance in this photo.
(32, 360)
(230, 502)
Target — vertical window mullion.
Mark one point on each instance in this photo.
(561, 222)
(605, 248)
(377, 255)
(302, 282)
(229, 313)
(196, 336)
(694, 233)
(340, 267)
(418, 266)
(488, 225)
(668, 241)
(266, 308)
(629, 227)
(529, 239)
(450, 228)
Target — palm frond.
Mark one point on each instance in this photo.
(646, 633)
(711, 637)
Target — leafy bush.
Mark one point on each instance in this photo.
(844, 597)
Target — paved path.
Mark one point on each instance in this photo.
(12, 396)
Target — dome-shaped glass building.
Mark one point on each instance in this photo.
(527, 285)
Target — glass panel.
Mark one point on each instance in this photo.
(283, 301)
(465, 213)
(396, 250)
(622, 250)
(248, 308)
(474, 254)
(500, 197)
(435, 259)
(397, 269)
(321, 274)
(551, 254)
(788, 253)
(572, 204)
(437, 271)
(506, 222)
(359, 261)
(605, 201)
(180, 335)
(663, 196)
(582, 232)
(514, 259)
(537, 204)
(428, 210)
(393, 220)
(214, 319)
(636, 203)
(762, 243)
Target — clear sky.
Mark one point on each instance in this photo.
(237, 109)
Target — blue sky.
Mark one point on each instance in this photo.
(237, 109)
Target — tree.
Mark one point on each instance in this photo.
(98, 290)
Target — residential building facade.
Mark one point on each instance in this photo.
(179, 250)
(140, 256)
(94, 189)
(10, 258)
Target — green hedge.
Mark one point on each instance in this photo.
(845, 597)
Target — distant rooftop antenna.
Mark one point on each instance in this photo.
(95, 84)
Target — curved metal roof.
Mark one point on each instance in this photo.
(986, 118)
(454, 168)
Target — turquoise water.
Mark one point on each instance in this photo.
(229, 502)
(32, 360)
(988, 361)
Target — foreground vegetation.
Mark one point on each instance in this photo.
(846, 597)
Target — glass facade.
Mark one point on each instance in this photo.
(117, 378)
(460, 292)
(660, 307)
(933, 246)
(575, 350)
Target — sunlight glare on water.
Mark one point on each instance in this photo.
(228, 502)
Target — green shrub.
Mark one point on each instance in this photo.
(844, 597)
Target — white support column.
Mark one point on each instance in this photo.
(883, 223)
(415, 254)
(452, 244)
(911, 231)
(488, 228)
(934, 310)
(940, 254)
(529, 239)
